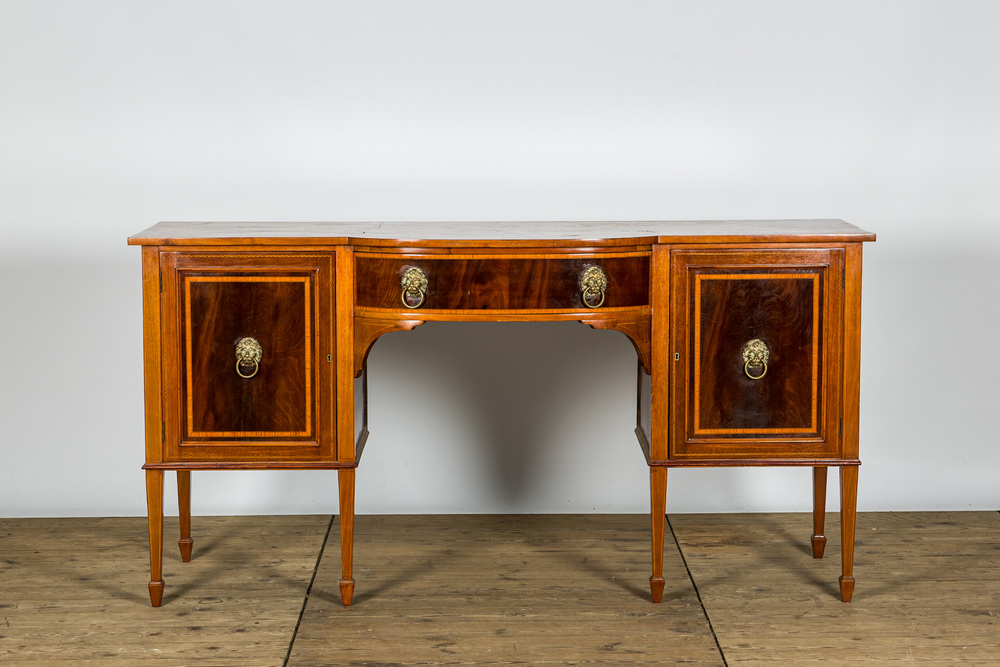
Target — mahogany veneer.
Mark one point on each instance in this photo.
(747, 335)
(502, 282)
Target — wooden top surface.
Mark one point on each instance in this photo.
(498, 234)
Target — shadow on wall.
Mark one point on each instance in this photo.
(517, 388)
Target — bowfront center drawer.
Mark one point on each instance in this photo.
(246, 339)
(570, 282)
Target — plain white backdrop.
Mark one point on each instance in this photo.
(115, 115)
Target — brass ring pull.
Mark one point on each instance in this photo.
(593, 283)
(414, 284)
(256, 367)
(755, 355)
(746, 369)
(248, 351)
(417, 305)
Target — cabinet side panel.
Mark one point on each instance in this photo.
(852, 351)
(344, 354)
(644, 390)
(660, 352)
(151, 353)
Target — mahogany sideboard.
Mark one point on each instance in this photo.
(256, 337)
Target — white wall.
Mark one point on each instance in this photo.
(114, 115)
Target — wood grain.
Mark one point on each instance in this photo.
(152, 354)
(523, 589)
(286, 412)
(819, 512)
(791, 299)
(928, 594)
(664, 371)
(474, 589)
(531, 234)
(185, 543)
(636, 327)
(852, 352)
(277, 312)
(502, 282)
(370, 325)
(784, 311)
(367, 330)
(154, 520)
(658, 500)
(848, 522)
(342, 329)
(345, 479)
(72, 592)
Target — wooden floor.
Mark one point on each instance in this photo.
(522, 589)
(73, 591)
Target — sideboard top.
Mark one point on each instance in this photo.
(458, 234)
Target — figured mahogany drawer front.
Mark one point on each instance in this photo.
(246, 335)
(731, 396)
(502, 283)
(274, 401)
(758, 332)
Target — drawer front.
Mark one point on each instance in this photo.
(247, 338)
(756, 342)
(528, 282)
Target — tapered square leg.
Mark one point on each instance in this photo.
(848, 519)
(346, 479)
(154, 513)
(658, 516)
(819, 512)
(184, 503)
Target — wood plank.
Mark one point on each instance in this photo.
(526, 589)
(926, 588)
(472, 589)
(73, 591)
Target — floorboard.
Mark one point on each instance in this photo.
(928, 588)
(73, 591)
(523, 589)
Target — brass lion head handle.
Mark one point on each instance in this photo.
(593, 282)
(755, 355)
(248, 354)
(414, 284)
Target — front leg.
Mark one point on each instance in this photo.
(848, 517)
(658, 515)
(184, 505)
(819, 512)
(154, 510)
(346, 479)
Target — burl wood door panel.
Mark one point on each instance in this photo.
(277, 407)
(502, 282)
(756, 349)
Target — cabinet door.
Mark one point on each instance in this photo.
(247, 338)
(756, 353)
